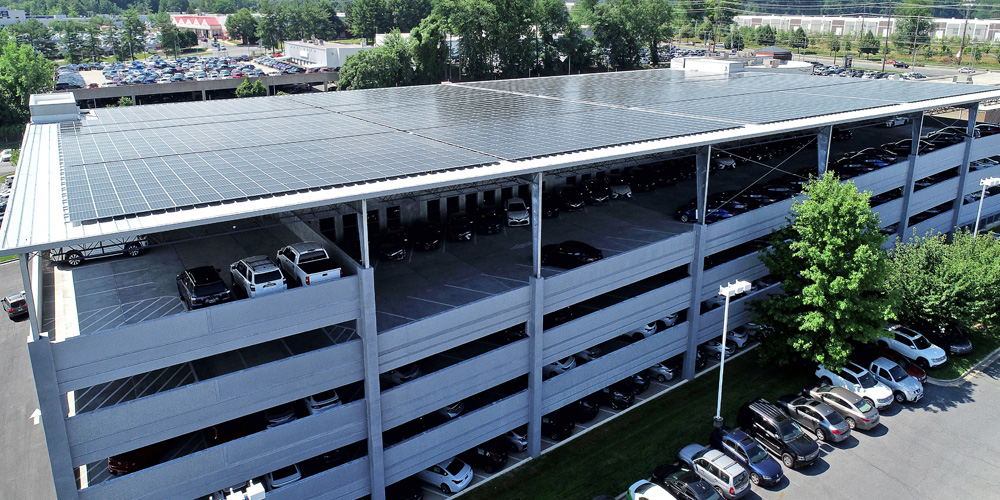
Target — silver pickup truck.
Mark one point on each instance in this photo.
(307, 263)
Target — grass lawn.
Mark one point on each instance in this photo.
(613, 456)
(983, 343)
(7, 258)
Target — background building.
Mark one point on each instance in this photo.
(320, 53)
(10, 16)
(984, 30)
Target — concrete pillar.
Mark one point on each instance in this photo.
(135, 100)
(917, 122)
(823, 140)
(697, 267)
(534, 326)
(204, 96)
(963, 171)
(29, 293)
(363, 232)
(368, 331)
(536, 225)
(53, 417)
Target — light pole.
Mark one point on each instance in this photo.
(985, 183)
(728, 292)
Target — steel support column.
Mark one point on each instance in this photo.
(368, 331)
(534, 327)
(823, 139)
(963, 171)
(702, 159)
(363, 233)
(917, 120)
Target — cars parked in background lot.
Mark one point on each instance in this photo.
(947, 335)
(596, 191)
(15, 305)
(714, 348)
(913, 345)
(393, 243)
(619, 187)
(256, 276)
(857, 379)
(645, 490)
(517, 439)
(571, 198)
(823, 421)
(777, 433)
(450, 476)
(904, 387)
(460, 227)
(202, 286)
(763, 469)
(557, 427)
(615, 396)
(723, 473)
(661, 372)
(570, 254)
(857, 411)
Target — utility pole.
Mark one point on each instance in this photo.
(916, 29)
(965, 27)
(888, 27)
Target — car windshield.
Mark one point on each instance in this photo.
(455, 467)
(791, 432)
(921, 342)
(516, 207)
(864, 407)
(269, 276)
(757, 454)
(866, 380)
(897, 373)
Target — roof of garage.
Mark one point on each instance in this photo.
(150, 168)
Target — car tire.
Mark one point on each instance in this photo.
(788, 460)
(721, 494)
(755, 479)
(851, 423)
(870, 402)
(921, 362)
(445, 489)
(685, 218)
(74, 258)
(718, 356)
(900, 397)
(661, 378)
(488, 468)
(132, 250)
(820, 435)
(554, 436)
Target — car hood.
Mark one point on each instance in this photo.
(768, 467)
(621, 189)
(803, 446)
(933, 352)
(880, 391)
(688, 452)
(911, 384)
(518, 214)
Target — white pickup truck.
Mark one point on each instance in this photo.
(307, 263)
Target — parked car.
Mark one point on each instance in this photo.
(683, 483)
(451, 411)
(556, 426)
(489, 456)
(822, 420)
(518, 213)
(587, 355)
(460, 227)
(904, 387)
(426, 235)
(763, 469)
(582, 410)
(723, 473)
(908, 366)
(451, 475)
(645, 490)
(777, 433)
(202, 286)
(517, 439)
(405, 489)
(279, 415)
(615, 397)
(947, 335)
(571, 198)
(640, 179)
(857, 411)
(323, 401)
(913, 345)
(570, 254)
(402, 374)
(637, 383)
(596, 191)
(307, 263)
(392, 244)
(74, 255)
(282, 477)
(619, 187)
(714, 348)
(857, 379)
(661, 372)
(257, 276)
(15, 305)
(551, 203)
(489, 221)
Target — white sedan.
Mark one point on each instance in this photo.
(645, 490)
(451, 475)
(914, 346)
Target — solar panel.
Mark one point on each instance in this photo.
(122, 161)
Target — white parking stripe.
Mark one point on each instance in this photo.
(469, 289)
(550, 443)
(609, 412)
(431, 301)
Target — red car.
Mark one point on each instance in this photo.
(911, 368)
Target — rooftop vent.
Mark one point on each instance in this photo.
(53, 108)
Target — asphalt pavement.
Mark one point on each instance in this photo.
(24, 460)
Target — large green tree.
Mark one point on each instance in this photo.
(386, 65)
(430, 49)
(833, 270)
(34, 33)
(868, 43)
(799, 39)
(617, 41)
(650, 21)
(407, 14)
(367, 17)
(271, 25)
(913, 29)
(22, 72)
(765, 35)
(242, 25)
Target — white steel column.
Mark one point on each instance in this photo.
(963, 171)
(917, 120)
(534, 326)
(702, 159)
(823, 140)
(368, 331)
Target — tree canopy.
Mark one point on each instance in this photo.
(833, 270)
(22, 72)
(251, 89)
(383, 66)
(243, 26)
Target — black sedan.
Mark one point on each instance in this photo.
(596, 191)
(946, 335)
(551, 203)
(640, 179)
(570, 254)
(571, 198)
(426, 235)
(460, 227)
(489, 221)
(202, 286)
(392, 244)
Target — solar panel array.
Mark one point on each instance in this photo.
(125, 161)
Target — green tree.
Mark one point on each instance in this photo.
(735, 40)
(765, 35)
(649, 20)
(619, 44)
(22, 72)
(913, 30)
(73, 40)
(242, 25)
(384, 66)
(832, 268)
(847, 45)
(928, 52)
(582, 11)
(367, 17)
(133, 34)
(471, 21)
(125, 102)
(173, 5)
(946, 282)
(224, 7)
(430, 49)
(93, 37)
(868, 43)
(833, 43)
(799, 40)
(271, 24)
(34, 33)
(407, 14)
(251, 89)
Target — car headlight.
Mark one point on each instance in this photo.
(800, 457)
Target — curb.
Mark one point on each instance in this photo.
(968, 375)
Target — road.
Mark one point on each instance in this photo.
(24, 460)
(945, 446)
(930, 71)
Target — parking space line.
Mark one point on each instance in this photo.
(628, 239)
(609, 412)
(431, 301)
(550, 443)
(469, 289)
(658, 384)
(397, 315)
(506, 278)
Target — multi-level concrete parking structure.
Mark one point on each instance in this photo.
(121, 365)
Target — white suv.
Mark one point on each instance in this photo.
(914, 346)
(257, 276)
(857, 379)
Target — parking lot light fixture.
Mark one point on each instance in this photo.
(728, 292)
(985, 183)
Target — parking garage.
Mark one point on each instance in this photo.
(172, 375)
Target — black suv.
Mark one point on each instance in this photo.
(202, 286)
(557, 427)
(777, 433)
(616, 396)
(489, 456)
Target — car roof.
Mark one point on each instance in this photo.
(884, 363)
(204, 274)
(259, 263)
(719, 459)
(15, 296)
(306, 246)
